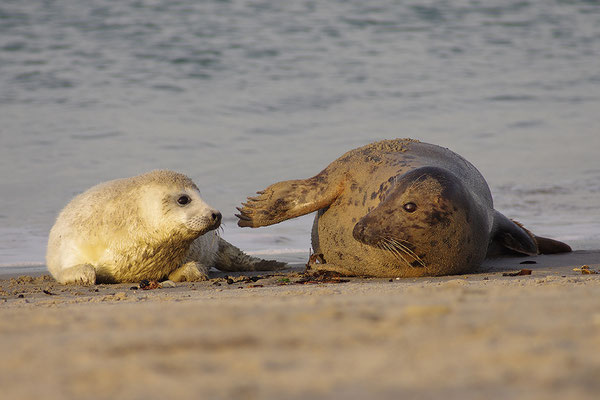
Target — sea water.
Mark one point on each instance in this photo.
(240, 94)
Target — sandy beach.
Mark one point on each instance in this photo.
(486, 335)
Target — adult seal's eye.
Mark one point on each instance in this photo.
(410, 207)
(183, 200)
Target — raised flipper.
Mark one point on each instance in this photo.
(511, 236)
(289, 199)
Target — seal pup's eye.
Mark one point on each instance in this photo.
(410, 207)
(183, 200)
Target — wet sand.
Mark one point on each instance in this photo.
(484, 335)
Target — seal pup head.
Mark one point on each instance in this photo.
(171, 202)
(427, 219)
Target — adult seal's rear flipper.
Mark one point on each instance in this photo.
(551, 246)
(547, 245)
(510, 236)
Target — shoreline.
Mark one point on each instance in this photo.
(489, 265)
(235, 336)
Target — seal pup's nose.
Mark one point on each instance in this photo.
(216, 216)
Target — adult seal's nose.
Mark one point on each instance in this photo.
(359, 232)
(216, 217)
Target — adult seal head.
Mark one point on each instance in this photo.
(397, 208)
(152, 226)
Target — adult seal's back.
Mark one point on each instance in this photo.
(397, 208)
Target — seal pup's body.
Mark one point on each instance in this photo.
(152, 226)
(396, 208)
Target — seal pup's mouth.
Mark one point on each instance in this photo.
(204, 223)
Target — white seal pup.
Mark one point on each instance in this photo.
(152, 226)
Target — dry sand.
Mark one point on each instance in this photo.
(463, 337)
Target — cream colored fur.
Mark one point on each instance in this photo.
(131, 229)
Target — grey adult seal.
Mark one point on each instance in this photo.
(397, 208)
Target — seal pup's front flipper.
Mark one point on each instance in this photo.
(229, 258)
(82, 274)
(191, 271)
(510, 236)
(289, 199)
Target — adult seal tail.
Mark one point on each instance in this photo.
(397, 208)
(151, 226)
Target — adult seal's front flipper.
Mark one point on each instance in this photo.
(290, 199)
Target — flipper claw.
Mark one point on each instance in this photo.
(243, 217)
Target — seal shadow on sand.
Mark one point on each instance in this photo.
(558, 263)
